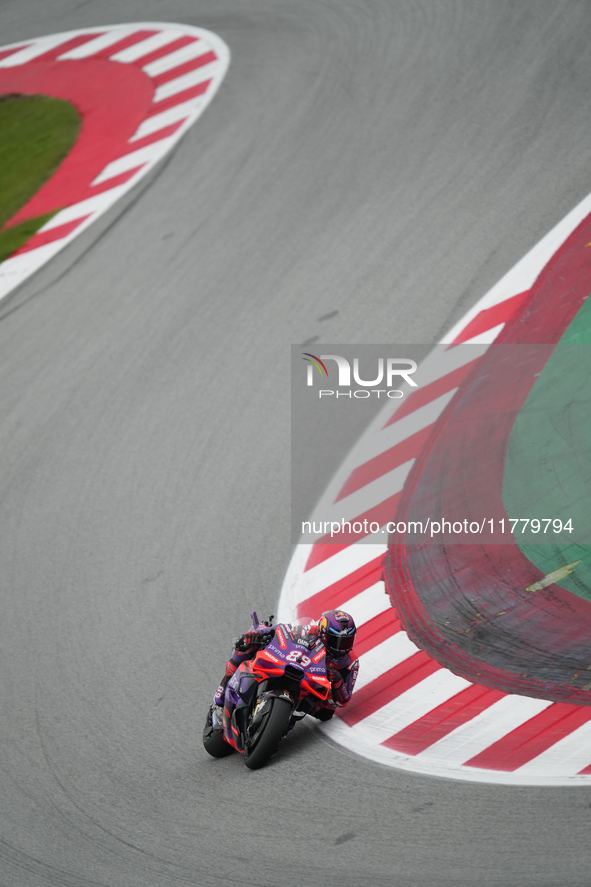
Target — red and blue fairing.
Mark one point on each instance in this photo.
(292, 666)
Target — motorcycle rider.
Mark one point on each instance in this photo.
(337, 631)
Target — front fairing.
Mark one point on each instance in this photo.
(297, 650)
(239, 693)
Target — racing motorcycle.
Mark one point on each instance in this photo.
(268, 694)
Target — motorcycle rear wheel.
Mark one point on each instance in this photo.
(274, 728)
(213, 740)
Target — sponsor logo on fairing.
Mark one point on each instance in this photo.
(275, 650)
(270, 656)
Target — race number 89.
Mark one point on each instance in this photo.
(296, 656)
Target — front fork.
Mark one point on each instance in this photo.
(240, 691)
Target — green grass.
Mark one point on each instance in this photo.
(36, 133)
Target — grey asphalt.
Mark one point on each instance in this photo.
(385, 160)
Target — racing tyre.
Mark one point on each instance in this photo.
(257, 753)
(213, 740)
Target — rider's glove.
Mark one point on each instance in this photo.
(333, 675)
(341, 691)
(251, 639)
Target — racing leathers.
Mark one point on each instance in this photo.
(342, 673)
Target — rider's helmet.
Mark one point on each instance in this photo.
(337, 630)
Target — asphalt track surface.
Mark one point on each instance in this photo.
(386, 160)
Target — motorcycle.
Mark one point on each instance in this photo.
(269, 693)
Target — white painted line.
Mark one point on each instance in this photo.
(17, 47)
(568, 756)
(149, 153)
(486, 338)
(78, 210)
(490, 725)
(394, 434)
(147, 46)
(193, 78)
(176, 58)
(99, 43)
(362, 500)
(35, 49)
(159, 121)
(411, 705)
(354, 740)
(383, 657)
(441, 361)
(339, 565)
(368, 604)
(13, 271)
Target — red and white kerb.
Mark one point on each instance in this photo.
(407, 711)
(138, 88)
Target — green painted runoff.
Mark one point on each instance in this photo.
(548, 464)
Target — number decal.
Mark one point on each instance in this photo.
(296, 656)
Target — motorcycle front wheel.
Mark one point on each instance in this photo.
(257, 754)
